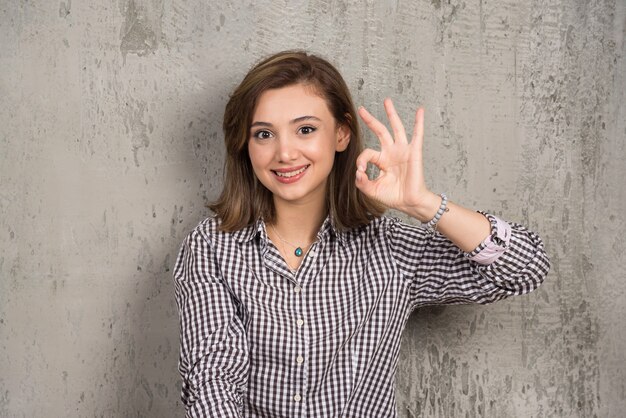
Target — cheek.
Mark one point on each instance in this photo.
(326, 151)
(256, 155)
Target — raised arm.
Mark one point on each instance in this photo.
(438, 272)
(401, 184)
(474, 257)
(213, 359)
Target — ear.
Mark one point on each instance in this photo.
(343, 137)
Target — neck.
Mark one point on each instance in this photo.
(299, 223)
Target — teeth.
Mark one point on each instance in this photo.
(291, 173)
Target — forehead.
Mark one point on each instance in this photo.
(288, 103)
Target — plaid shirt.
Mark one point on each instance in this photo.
(258, 340)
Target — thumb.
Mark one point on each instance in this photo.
(368, 155)
(364, 184)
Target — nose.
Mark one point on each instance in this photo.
(287, 149)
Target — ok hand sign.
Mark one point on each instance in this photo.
(400, 184)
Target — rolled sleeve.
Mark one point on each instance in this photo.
(495, 244)
(438, 272)
(522, 266)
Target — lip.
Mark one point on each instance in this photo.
(288, 180)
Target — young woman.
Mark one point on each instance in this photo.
(294, 295)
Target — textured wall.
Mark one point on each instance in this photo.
(110, 145)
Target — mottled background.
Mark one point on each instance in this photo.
(110, 146)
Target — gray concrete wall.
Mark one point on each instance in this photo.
(110, 146)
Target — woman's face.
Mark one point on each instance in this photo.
(292, 143)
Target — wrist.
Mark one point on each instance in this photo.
(426, 209)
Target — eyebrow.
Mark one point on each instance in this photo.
(296, 120)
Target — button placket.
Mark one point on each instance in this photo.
(308, 267)
(300, 383)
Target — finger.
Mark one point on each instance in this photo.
(376, 126)
(399, 134)
(365, 185)
(417, 141)
(368, 155)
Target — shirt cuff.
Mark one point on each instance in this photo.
(495, 244)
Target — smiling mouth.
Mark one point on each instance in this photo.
(288, 174)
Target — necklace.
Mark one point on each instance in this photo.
(298, 249)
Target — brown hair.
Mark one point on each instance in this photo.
(244, 199)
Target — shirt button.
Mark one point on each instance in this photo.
(297, 397)
(300, 322)
(297, 289)
(300, 359)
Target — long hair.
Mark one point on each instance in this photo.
(244, 199)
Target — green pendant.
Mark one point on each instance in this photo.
(298, 252)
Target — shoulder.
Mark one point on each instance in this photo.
(204, 230)
(210, 230)
(390, 224)
(385, 227)
(208, 227)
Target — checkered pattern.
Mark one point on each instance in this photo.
(260, 341)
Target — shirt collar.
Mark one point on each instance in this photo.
(257, 228)
(248, 232)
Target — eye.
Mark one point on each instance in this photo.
(262, 134)
(306, 130)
